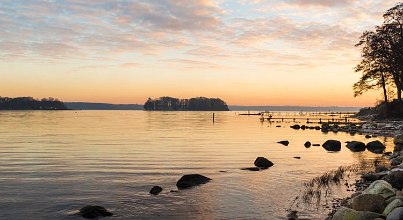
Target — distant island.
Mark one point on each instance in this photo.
(29, 103)
(193, 104)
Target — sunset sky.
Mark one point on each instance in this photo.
(247, 52)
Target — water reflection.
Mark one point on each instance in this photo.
(53, 163)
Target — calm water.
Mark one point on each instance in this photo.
(53, 163)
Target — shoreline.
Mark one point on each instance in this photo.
(370, 187)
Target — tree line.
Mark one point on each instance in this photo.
(29, 103)
(381, 62)
(193, 104)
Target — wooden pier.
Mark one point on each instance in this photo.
(308, 117)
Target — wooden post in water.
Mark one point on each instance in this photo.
(213, 117)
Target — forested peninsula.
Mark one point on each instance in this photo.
(29, 103)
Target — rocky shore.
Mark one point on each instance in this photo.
(379, 194)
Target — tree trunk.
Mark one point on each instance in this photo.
(385, 94)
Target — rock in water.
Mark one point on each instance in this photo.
(350, 214)
(307, 144)
(396, 214)
(191, 180)
(155, 190)
(369, 202)
(285, 143)
(395, 179)
(295, 127)
(263, 163)
(332, 145)
(380, 187)
(94, 211)
(375, 147)
(356, 146)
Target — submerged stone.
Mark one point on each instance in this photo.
(262, 162)
(285, 143)
(376, 147)
(356, 146)
(155, 190)
(332, 145)
(94, 212)
(191, 180)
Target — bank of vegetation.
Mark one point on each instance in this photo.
(193, 104)
(29, 103)
(381, 64)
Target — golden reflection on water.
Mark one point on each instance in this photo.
(52, 163)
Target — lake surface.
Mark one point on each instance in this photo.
(52, 163)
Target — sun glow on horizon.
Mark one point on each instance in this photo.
(262, 52)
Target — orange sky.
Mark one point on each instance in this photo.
(289, 52)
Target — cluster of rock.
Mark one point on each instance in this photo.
(371, 129)
(185, 182)
(383, 198)
(373, 146)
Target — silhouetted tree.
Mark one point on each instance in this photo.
(382, 55)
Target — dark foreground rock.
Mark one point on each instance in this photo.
(263, 163)
(376, 147)
(395, 179)
(332, 145)
(155, 190)
(94, 212)
(307, 144)
(369, 202)
(350, 214)
(285, 143)
(191, 180)
(356, 146)
(396, 214)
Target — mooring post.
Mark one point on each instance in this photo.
(213, 117)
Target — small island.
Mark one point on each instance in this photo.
(193, 104)
(29, 103)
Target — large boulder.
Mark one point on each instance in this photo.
(263, 163)
(94, 211)
(356, 146)
(376, 147)
(332, 145)
(396, 214)
(394, 204)
(380, 187)
(368, 202)
(350, 214)
(191, 180)
(395, 179)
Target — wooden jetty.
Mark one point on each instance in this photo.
(308, 117)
